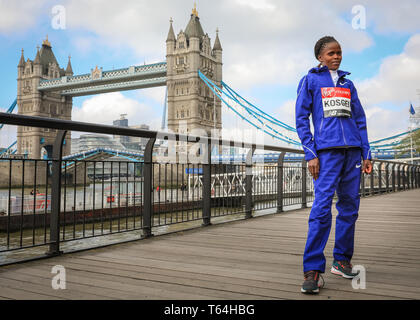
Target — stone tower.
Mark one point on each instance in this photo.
(191, 104)
(36, 143)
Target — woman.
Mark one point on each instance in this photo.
(334, 154)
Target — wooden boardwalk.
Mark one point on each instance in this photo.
(260, 258)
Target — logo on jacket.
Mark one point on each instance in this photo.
(336, 102)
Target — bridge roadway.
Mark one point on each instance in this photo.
(258, 258)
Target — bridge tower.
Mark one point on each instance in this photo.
(37, 143)
(191, 104)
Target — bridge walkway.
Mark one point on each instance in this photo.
(259, 258)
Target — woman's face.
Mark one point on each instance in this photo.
(331, 56)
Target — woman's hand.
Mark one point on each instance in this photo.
(313, 166)
(367, 166)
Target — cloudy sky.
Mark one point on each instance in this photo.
(267, 48)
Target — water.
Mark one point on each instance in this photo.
(94, 195)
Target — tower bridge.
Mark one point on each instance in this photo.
(46, 90)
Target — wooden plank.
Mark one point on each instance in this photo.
(114, 278)
(116, 289)
(282, 291)
(282, 281)
(77, 292)
(260, 258)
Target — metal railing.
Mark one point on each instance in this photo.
(55, 202)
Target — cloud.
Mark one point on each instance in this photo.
(105, 108)
(19, 15)
(286, 112)
(156, 94)
(382, 122)
(386, 96)
(397, 79)
(264, 42)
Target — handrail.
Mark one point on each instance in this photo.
(69, 125)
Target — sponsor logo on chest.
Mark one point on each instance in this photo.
(336, 102)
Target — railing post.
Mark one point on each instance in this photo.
(207, 186)
(412, 181)
(148, 188)
(372, 181)
(387, 177)
(393, 177)
(362, 184)
(57, 155)
(414, 177)
(380, 177)
(405, 176)
(418, 177)
(248, 183)
(399, 177)
(280, 179)
(409, 176)
(304, 201)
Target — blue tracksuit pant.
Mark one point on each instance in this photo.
(340, 170)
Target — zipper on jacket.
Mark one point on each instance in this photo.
(341, 123)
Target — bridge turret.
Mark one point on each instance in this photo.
(217, 47)
(171, 34)
(21, 64)
(191, 105)
(217, 53)
(69, 69)
(33, 102)
(37, 65)
(170, 47)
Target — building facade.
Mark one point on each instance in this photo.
(33, 142)
(191, 104)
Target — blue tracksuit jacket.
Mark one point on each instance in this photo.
(337, 115)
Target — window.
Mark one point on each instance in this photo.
(181, 45)
(181, 60)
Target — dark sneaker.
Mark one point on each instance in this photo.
(310, 283)
(343, 268)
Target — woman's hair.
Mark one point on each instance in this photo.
(321, 43)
